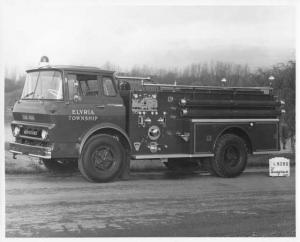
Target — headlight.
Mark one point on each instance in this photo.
(16, 131)
(44, 134)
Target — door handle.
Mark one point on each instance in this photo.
(100, 106)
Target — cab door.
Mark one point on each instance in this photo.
(88, 105)
(114, 108)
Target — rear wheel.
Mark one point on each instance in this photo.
(61, 165)
(102, 158)
(230, 156)
(182, 165)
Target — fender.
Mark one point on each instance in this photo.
(99, 127)
(228, 128)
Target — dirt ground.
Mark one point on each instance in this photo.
(150, 204)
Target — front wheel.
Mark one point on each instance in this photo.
(230, 156)
(101, 159)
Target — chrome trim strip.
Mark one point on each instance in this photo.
(162, 156)
(29, 137)
(43, 125)
(209, 87)
(37, 156)
(40, 156)
(115, 105)
(267, 152)
(15, 152)
(233, 120)
(47, 148)
(132, 78)
(194, 144)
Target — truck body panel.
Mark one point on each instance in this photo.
(209, 114)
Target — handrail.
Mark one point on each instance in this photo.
(133, 78)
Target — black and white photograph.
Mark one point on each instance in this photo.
(148, 119)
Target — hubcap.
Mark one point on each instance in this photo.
(103, 158)
(231, 155)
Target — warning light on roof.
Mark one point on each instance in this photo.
(44, 61)
(271, 79)
(223, 81)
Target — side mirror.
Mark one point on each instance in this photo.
(76, 98)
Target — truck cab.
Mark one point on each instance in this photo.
(61, 107)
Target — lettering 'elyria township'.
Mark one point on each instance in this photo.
(83, 112)
(83, 118)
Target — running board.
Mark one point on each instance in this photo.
(165, 156)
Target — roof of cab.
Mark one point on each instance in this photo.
(71, 68)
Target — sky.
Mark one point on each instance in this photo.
(88, 33)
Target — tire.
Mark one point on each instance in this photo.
(61, 165)
(182, 165)
(101, 159)
(230, 157)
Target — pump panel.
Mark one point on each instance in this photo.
(144, 102)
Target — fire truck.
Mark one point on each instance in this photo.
(86, 117)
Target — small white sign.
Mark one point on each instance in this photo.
(279, 166)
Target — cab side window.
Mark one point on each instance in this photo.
(87, 85)
(108, 86)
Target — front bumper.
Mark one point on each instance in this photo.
(30, 150)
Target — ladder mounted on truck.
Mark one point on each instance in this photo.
(135, 78)
(132, 82)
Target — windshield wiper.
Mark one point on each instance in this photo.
(29, 94)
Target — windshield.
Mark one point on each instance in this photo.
(43, 85)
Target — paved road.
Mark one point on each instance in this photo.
(151, 204)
